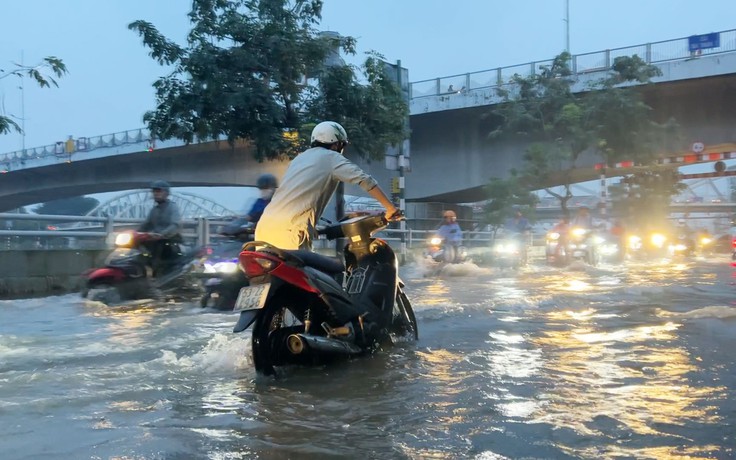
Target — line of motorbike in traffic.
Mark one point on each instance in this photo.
(589, 246)
(304, 308)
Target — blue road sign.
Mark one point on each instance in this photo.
(701, 42)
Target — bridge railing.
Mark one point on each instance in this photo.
(652, 53)
(42, 232)
(58, 150)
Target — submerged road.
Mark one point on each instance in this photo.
(635, 361)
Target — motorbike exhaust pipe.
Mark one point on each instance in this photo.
(299, 343)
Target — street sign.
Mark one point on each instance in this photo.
(701, 42)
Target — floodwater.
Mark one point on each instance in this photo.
(635, 361)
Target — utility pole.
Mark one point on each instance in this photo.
(567, 25)
(22, 107)
(402, 200)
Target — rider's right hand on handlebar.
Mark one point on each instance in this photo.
(395, 216)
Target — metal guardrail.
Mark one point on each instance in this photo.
(202, 231)
(652, 53)
(82, 144)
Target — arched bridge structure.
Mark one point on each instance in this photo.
(136, 204)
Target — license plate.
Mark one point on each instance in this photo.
(252, 297)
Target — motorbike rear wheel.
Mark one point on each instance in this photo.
(268, 342)
(404, 322)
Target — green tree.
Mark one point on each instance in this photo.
(35, 73)
(75, 206)
(256, 70)
(505, 196)
(609, 119)
(643, 198)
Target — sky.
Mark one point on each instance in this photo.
(108, 87)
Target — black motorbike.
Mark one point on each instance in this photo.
(510, 250)
(221, 278)
(683, 245)
(307, 308)
(132, 273)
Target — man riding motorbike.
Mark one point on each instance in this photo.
(289, 221)
(162, 225)
(452, 237)
(222, 280)
(267, 185)
(519, 228)
(583, 218)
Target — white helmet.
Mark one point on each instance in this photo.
(329, 132)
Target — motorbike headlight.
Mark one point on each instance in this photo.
(506, 248)
(553, 236)
(124, 239)
(634, 240)
(680, 247)
(609, 249)
(599, 240)
(658, 239)
(705, 241)
(435, 241)
(209, 268)
(578, 232)
(226, 267)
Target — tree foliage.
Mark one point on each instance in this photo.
(75, 206)
(38, 73)
(609, 119)
(256, 69)
(643, 198)
(505, 196)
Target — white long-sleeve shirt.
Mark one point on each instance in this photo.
(311, 179)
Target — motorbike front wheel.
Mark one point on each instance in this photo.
(404, 322)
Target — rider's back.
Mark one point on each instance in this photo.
(306, 188)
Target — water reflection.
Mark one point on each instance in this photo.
(632, 378)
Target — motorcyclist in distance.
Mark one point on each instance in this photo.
(452, 236)
(267, 185)
(163, 225)
(583, 218)
(311, 179)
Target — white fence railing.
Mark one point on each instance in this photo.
(36, 231)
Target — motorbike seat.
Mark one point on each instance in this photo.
(330, 265)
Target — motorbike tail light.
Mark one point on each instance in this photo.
(204, 251)
(256, 264)
(733, 242)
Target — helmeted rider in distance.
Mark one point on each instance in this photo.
(452, 236)
(163, 225)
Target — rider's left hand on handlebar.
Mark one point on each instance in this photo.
(395, 215)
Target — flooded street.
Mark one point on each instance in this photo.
(634, 361)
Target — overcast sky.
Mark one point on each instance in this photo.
(108, 87)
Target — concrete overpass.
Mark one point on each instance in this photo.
(451, 159)
(206, 164)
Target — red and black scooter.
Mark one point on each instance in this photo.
(126, 275)
(304, 312)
